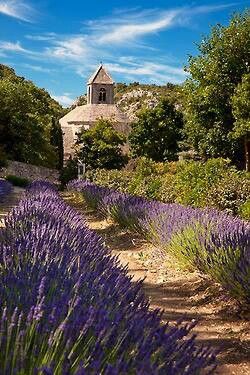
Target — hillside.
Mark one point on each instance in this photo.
(135, 96)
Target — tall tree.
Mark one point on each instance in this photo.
(56, 140)
(215, 73)
(241, 112)
(157, 132)
(100, 146)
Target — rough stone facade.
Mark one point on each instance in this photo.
(29, 171)
(100, 104)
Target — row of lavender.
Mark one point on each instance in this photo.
(68, 307)
(213, 242)
(5, 189)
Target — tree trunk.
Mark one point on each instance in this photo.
(247, 154)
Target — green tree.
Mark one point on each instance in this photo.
(215, 73)
(26, 113)
(100, 147)
(157, 132)
(241, 112)
(56, 140)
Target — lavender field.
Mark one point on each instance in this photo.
(69, 307)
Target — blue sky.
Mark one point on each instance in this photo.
(58, 44)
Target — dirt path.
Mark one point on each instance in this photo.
(220, 324)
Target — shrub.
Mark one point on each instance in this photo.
(114, 179)
(194, 179)
(18, 181)
(230, 192)
(244, 210)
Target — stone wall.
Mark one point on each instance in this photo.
(29, 171)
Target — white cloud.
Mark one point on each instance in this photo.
(37, 68)
(12, 47)
(64, 99)
(17, 9)
(128, 27)
(73, 48)
(133, 30)
(40, 38)
(153, 72)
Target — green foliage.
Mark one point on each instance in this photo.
(100, 146)
(230, 192)
(157, 132)
(215, 74)
(244, 210)
(3, 158)
(56, 140)
(241, 112)
(194, 180)
(68, 172)
(18, 181)
(114, 179)
(26, 114)
(241, 108)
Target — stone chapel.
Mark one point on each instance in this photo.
(100, 104)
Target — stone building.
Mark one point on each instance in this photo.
(100, 104)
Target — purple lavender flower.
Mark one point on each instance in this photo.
(71, 306)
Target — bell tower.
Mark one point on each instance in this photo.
(100, 87)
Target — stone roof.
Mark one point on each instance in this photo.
(100, 76)
(90, 113)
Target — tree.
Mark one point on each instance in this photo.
(215, 73)
(100, 147)
(241, 112)
(157, 132)
(56, 140)
(26, 113)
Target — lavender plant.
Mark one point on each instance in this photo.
(69, 307)
(214, 242)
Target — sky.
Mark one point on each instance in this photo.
(58, 44)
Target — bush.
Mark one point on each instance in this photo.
(195, 179)
(230, 193)
(18, 181)
(244, 210)
(114, 179)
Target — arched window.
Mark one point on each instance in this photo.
(102, 95)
